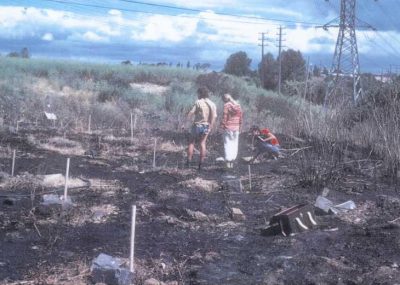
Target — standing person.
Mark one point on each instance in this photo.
(205, 114)
(265, 141)
(231, 125)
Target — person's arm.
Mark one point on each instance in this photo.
(266, 139)
(224, 117)
(240, 122)
(213, 118)
(189, 116)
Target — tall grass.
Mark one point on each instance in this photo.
(75, 90)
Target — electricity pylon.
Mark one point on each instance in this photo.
(345, 65)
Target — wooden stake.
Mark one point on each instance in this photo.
(154, 153)
(90, 121)
(131, 127)
(13, 163)
(17, 126)
(66, 181)
(134, 122)
(249, 176)
(131, 263)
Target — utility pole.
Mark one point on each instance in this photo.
(263, 39)
(280, 59)
(345, 64)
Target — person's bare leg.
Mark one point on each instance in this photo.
(203, 149)
(190, 152)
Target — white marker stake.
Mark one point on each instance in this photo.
(131, 127)
(249, 176)
(13, 163)
(66, 181)
(154, 153)
(90, 121)
(134, 122)
(17, 126)
(132, 238)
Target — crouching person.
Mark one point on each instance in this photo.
(265, 142)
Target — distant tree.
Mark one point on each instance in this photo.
(178, 65)
(25, 53)
(268, 70)
(238, 64)
(293, 65)
(205, 66)
(325, 71)
(13, 54)
(188, 64)
(126, 62)
(316, 71)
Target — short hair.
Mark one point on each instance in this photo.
(203, 92)
(255, 128)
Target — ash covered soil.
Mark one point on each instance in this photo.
(185, 233)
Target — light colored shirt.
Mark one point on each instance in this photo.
(204, 111)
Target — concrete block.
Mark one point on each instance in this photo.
(237, 215)
(108, 270)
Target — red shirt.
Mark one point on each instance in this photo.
(265, 134)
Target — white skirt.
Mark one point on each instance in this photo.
(231, 145)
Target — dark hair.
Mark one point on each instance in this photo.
(202, 92)
(255, 128)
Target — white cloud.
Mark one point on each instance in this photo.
(48, 37)
(301, 39)
(89, 37)
(160, 27)
(114, 12)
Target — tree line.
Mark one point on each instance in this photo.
(293, 68)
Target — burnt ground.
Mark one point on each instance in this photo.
(184, 230)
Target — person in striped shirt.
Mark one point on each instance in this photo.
(231, 125)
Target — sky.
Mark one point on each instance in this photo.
(207, 31)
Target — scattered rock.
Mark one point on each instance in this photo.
(100, 213)
(108, 269)
(201, 184)
(197, 215)
(233, 185)
(212, 256)
(237, 214)
(152, 281)
(163, 265)
(58, 180)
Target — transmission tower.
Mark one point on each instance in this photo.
(345, 65)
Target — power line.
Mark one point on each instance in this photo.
(260, 20)
(218, 13)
